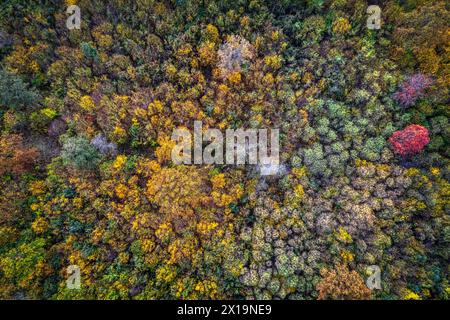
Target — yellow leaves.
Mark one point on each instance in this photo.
(234, 77)
(164, 151)
(178, 191)
(410, 295)
(155, 107)
(218, 181)
(171, 70)
(380, 167)
(164, 232)
(121, 191)
(34, 206)
(34, 66)
(222, 199)
(37, 187)
(275, 35)
(105, 41)
(86, 103)
(347, 256)
(39, 225)
(119, 162)
(341, 25)
(343, 235)
(293, 199)
(245, 21)
(208, 288)
(429, 60)
(299, 172)
(24, 60)
(147, 245)
(299, 191)
(49, 113)
(205, 228)
(160, 8)
(140, 113)
(273, 61)
(147, 167)
(119, 133)
(185, 49)
(77, 202)
(435, 171)
(124, 31)
(165, 274)
(97, 235)
(124, 257)
(180, 249)
(223, 88)
(268, 79)
(207, 53)
(212, 33)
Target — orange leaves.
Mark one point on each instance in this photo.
(207, 53)
(341, 283)
(14, 157)
(147, 167)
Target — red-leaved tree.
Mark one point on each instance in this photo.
(412, 89)
(410, 140)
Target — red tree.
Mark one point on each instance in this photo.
(410, 140)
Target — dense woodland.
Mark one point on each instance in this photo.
(86, 176)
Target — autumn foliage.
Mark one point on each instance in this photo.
(14, 156)
(412, 89)
(410, 140)
(342, 284)
(86, 171)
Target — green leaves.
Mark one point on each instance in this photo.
(14, 93)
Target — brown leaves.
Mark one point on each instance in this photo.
(14, 157)
(343, 284)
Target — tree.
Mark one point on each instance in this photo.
(78, 152)
(343, 284)
(412, 89)
(14, 157)
(178, 191)
(14, 93)
(410, 140)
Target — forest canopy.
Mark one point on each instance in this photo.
(87, 178)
